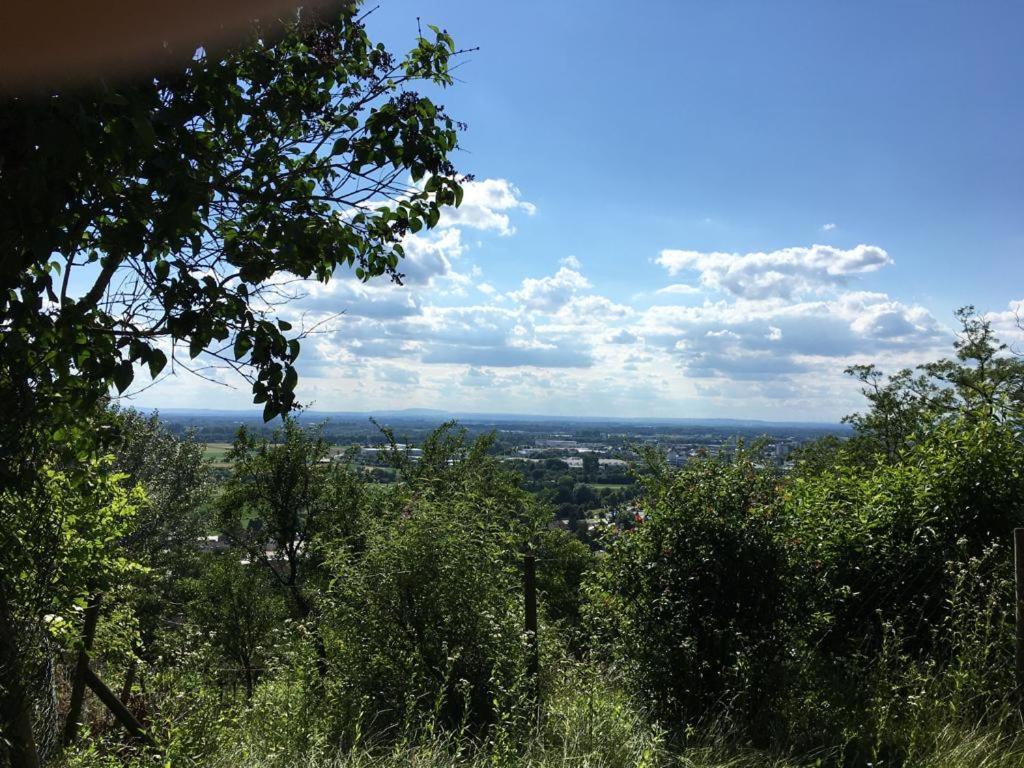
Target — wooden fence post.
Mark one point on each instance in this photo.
(530, 595)
(1018, 562)
(92, 613)
(119, 710)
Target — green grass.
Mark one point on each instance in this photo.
(216, 452)
(588, 721)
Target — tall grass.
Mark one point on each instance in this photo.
(950, 709)
(589, 721)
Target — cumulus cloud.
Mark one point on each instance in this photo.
(623, 337)
(828, 227)
(430, 256)
(787, 273)
(478, 377)
(396, 374)
(553, 356)
(593, 309)
(767, 339)
(749, 345)
(357, 299)
(774, 329)
(549, 294)
(680, 289)
(486, 205)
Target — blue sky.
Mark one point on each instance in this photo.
(652, 180)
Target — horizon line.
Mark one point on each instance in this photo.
(427, 412)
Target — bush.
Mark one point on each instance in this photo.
(876, 543)
(696, 601)
(424, 620)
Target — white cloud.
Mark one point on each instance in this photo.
(486, 205)
(680, 289)
(787, 273)
(828, 227)
(770, 338)
(358, 299)
(623, 336)
(430, 255)
(1008, 324)
(549, 294)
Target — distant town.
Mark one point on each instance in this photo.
(584, 469)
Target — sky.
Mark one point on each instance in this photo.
(689, 209)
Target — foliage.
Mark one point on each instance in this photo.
(426, 616)
(564, 564)
(177, 483)
(983, 384)
(160, 221)
(177, 203)
(59, 546)
(855, 612)
(876, 541)
(695, 599)
(235, 608)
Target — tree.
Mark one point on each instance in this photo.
(877, 540)
(898, 407)
(565, 560)
(59, 545)
(157, 221)
(177, 480)
(237, 612)
(695, 600)
(425, 619)
(276, 483)
(983, 383)
(160, 222)
(284, 500)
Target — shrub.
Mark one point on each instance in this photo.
(876, 542)
(424, 618)
(695, 601)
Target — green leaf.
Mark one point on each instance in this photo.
(243, 343)
(144, 129)
(162, 269)
(157, 362)
(269, 410)
(123, 375)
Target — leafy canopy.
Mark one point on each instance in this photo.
(149, 223)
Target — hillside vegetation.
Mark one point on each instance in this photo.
(857, 611)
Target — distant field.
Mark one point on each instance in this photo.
(217, 453)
